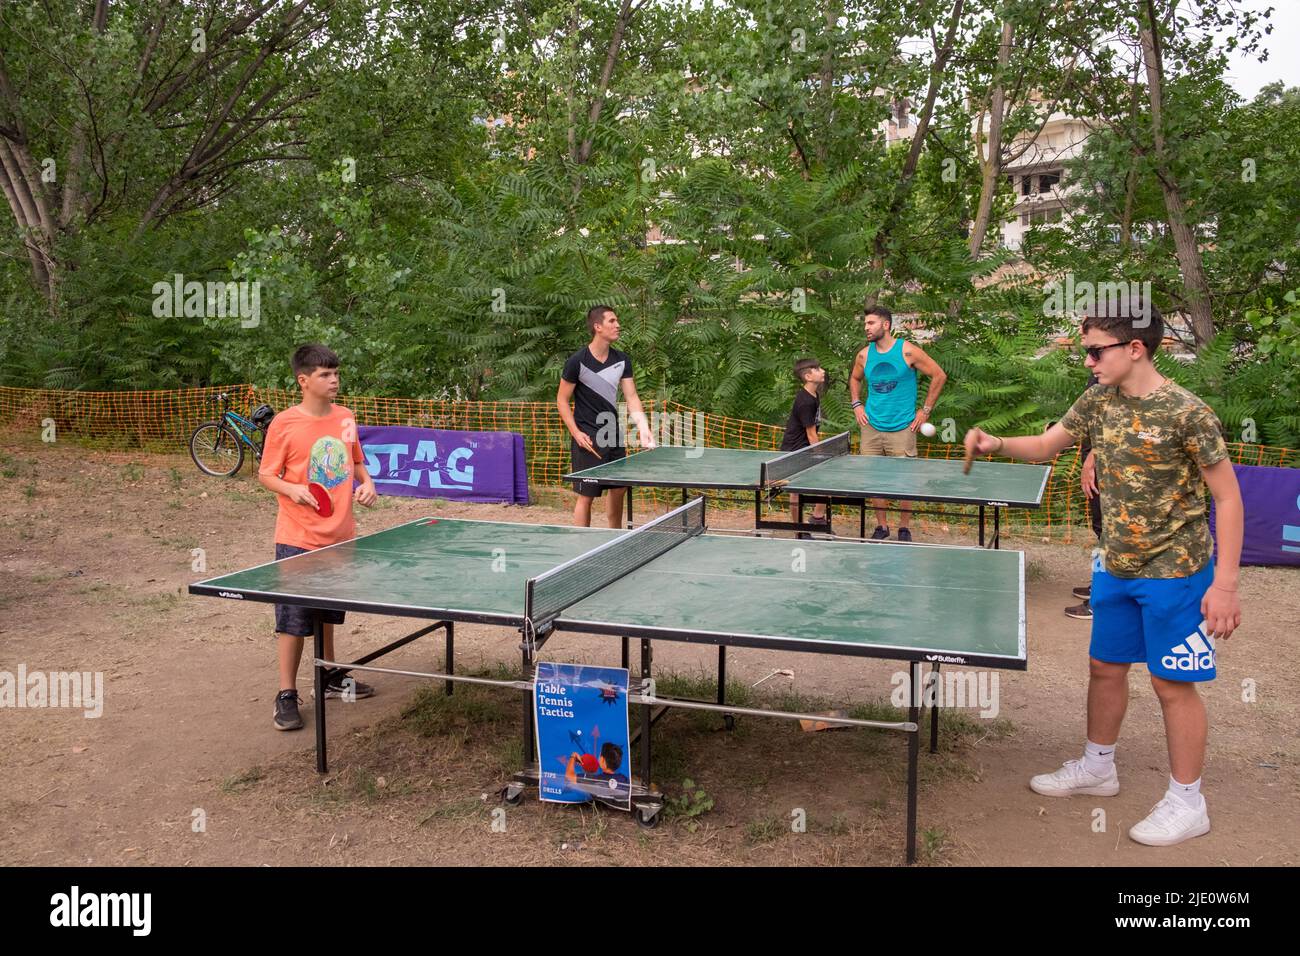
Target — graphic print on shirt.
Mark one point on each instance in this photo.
(329, 464)
(884, 377)
(605, 382)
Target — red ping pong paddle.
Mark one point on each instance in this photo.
(324, 504)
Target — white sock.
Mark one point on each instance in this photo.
(1188, 793)
(1098, 759)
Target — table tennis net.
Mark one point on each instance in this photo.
(779, 469)
(548, 594)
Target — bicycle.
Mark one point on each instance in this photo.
(217, 446)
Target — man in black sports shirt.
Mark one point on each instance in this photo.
(591, 379)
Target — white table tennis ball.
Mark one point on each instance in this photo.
(927, 430)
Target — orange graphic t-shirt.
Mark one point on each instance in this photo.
(302, 448)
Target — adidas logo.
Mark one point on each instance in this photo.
(1196, 653)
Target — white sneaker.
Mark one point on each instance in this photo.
(1074, 778)
(1171, 821)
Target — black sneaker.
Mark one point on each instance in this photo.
(286, 710)
(1082, 612)
(339, 686)
(1082, 593)
(904, 534)
(880, 534)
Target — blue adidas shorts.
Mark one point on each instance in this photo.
(1153, 620)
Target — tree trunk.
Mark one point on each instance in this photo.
(937, 68)
(1196, 287)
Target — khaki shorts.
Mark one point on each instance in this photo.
(899, 444)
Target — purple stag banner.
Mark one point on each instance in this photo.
(1271, 497)
(432, 463)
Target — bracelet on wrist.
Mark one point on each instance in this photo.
(857, 404)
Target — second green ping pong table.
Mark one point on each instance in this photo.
(826, 473)
(667, 580)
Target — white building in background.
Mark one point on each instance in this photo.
(1037, 176)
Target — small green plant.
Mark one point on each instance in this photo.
(933, 843)
(175, 476)
(132, 473)
(30, 490)
(690, 805)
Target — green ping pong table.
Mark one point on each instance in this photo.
(667, 580)
(826, 473)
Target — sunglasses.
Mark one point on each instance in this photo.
(1094, 351)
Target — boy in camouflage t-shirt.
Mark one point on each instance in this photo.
(1157, 596)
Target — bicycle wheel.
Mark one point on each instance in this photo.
(216, 450)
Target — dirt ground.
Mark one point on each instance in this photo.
(184, 767)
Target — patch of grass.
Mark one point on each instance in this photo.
(243, 780)
(460, 810)
(357, 784)
(174, 476)
(30, 490)
(431, 713)
(764, 830)
(1036, 570)
(132, 472)
(162, 603)
(835, 826)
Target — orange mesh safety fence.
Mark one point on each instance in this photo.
(163, 420)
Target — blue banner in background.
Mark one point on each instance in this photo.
(1271, 498)
(582, 733)
(433, 463)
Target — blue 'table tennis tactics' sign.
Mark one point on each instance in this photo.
(582, 733)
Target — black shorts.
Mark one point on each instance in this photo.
(292, 619)
(583, 459)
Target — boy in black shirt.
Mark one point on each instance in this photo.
(591, 379)
(805, 417)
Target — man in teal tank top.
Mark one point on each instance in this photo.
(888, 416)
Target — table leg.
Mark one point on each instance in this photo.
(862, 519)
(647, 716)
(997, 528)
(530, 754)
(913, 749)
(727, 719)
(981, 526)
(318, 674)
(451, 640)
(631, 491)
(934, 710)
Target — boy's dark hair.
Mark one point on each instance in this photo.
(596, 315)
(307, 358)
(612, 754)
(881, 311)
(803, 365)
(1129, 318)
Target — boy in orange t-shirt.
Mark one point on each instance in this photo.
(314, 441)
